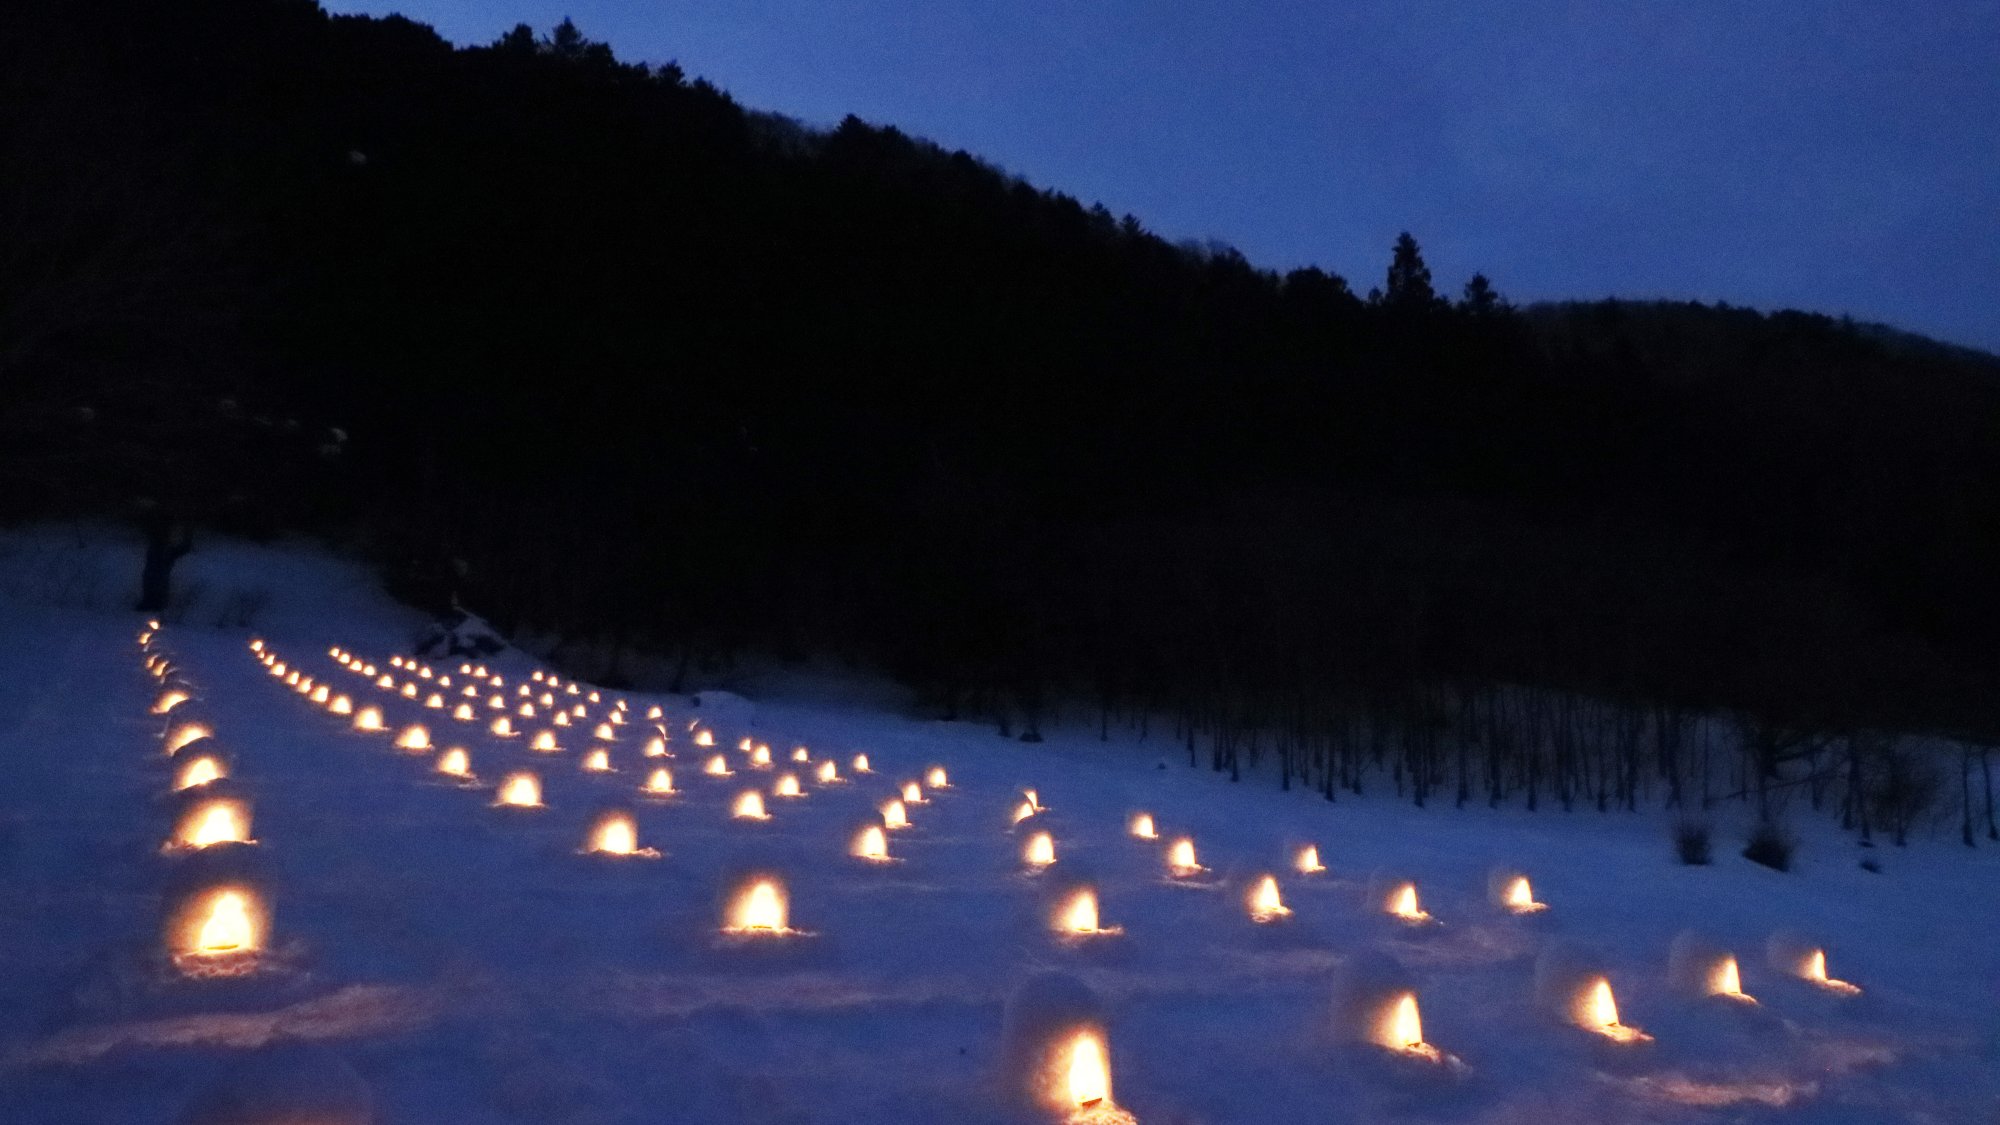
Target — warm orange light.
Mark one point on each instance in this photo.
(1398, 1027)
(255, 645)
(463, 712)
(1266, 905)
(913, 794)
(1402, 902)
(455, 762)
(1726, 979)
(1181, 861)
(717, 766)
(604, 732)
(760, 757)
(827, 773)
(655, 713)
(544, 742)
(1814, 969)
(656, 747)
(1141, 826)
(414, 737)
(395, 662)
(894, 815)
(495, 703)
(185, 733)
(1307, 861)
(341, 705)
(860, 764)
(759, 909)
(580, 711)
(801, 754)
(1023, 811)
(871, 843)
(749, 806)
(368, 719)
(292, 678)
(1596, 1010)
(546, 699)
(1521, 897)
(521, 790)
(597, 761)
(200, 771)
(1078, 914)
(226, 926)
(169, 700)
(1040, 851)
(660, 782)
(386, 682)
(434, 702)
(936, 778)
(527, 711)
(409, 691)
(1088, 1076)
(560, 719)
(787, 786)
(214, 822)
(616, 834)
(704, 738)
(503, 727)
(320, 694)
(1034, 799)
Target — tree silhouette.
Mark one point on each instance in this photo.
(1408, 286)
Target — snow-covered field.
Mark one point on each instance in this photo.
(443, 960)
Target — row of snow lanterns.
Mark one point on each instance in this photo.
(216, 926)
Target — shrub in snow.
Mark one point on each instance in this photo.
(1056, 1053)
(459, 633)
(1771, 845)
(1691, 842)
(1699, 967)
(284, 1086)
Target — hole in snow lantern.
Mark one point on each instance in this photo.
(524, 692)
(871, 843)
(410, 691)
(320, 694)
(801, 754)
(199, 771)
(560, 719)
(704, 738)
(495, 703)
(368, 719)
(536, 675)
(1375, 1003)
(660, 782)
(616, 834)
(1181, 862)
(292, 679)
(387, 682)
(169, 700)
(1698, 967)
(395, 662)
(618, 716)
(1023, 811)
(1511, 891)
(256, 645)
(655, 747)
(760, 757)
(546, 699)
(749, 806)
(717, 766)
(1141, 826)
(503, 727)
(207, 823)
(1056, 1053)
(894, 815)
(1396, 898)
(758, 908)
(936, 778)
(218, 930)
(1040, 850)
(423, 672)
(604, 733)
(1265, 903)
(463, 712)
(455, 762)
(304, 686)
(278, 668)
(593, 697)
(520, 790)
(1306, 861)
(1797, 956)
(597, 761)
(655, 713)
(414, 737)
(570, 688)
(787, 786)
(544, 742)
(913, 794)
(579, 711)
(1571, 985)
(471, 691)
(860, 764)
(827, 773)
(341, 705)
(526, 711)
(435, 702)
(367, 669)
(181, 735)
(1033, 799)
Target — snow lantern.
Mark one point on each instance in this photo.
(1798, 956)
(463, 713)
(1397, 897)
(455, 762)
(827, 773)
(1306, 860)
(749, 806)
(320, 694)
(758, 908)
(218, 929)
(560, 719)
(936, 778)
(894, 815)
(1141, 826)
(256, 643)
(222, 820)
(579, 711)
(434, 702)
(654, 712)
(368, 719)
(597, 760)
(495, 703)
(801, 754)
(1076, 913)
(396, 662)
(1510, 891)
(787, 786)
(386, 683)
(660, 782)
(1056, 1053)
(503, 727)
(526, 711)
(871, 843)
(1571, 984)
(913, 794)
(199, 771)
(860, 764)
(1699, 967)
(410, 690)
(1023, 811)
(414, 737)
(717, 766)
(341, 705)
(1040, 850)
(704, 738)
(615, 833)
(181, 734)
(1264, 902)
(604, 732)
(544, 742)
(655, 747)
(760, 757)
(1181, 862)
(521, 790)
(168, 700)
(1375, 1002)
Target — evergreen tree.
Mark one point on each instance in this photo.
(1408, 286)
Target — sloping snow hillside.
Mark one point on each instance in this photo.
(394, 947)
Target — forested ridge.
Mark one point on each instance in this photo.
(599, 352)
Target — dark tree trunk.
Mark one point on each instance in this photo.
(166, 541)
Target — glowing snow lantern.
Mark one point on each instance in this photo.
(410, 691)
(368, 719)
(396, 662)
(593, 698)
(787, 786)
(894, 815)
(169, 700)
(185, 733)
(471, 691)
(496, 703)
(655, 747)
(455, 763)
(1511, 891)
(749, 806)
(414, 737)
(616, 834)
(660, 782)
(367, 669)
(547, 699)
(221, 926)
(544, 742)
(1141, 826)
(1040, 850)
(1077, 914)
(570, 688)
(1571, 985)
(1181, 862)
(320, 694)
(221, 821)
(618, 717)
(199, 771)
(801, 754)
(278, 668)
(424, 672)
(292, 678)
(434, 702)
(760, 758)
(341, 705)
(604, 733)
(524, 692)
(1397, 898)
(936, 778)
(717, 766)
(655, 713)
(1700, 968)
(871, 843)
(1023, 811)
(521, 790)
(560, 719)
(463, 713)
(580, 711)
(525, 710)
(1306, 862)
(503, 727)
(913, 794)
(1265, 903)
(827, 773)
(704, 738)
(387, 682)
(1799, 957)
(255, 645)
(536, 675)
(758, 908)
(597, 761)
(860, 764)
(1057, 1054)
(1033, 799)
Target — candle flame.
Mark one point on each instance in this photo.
(860, 764)
(660, 781)
(368, 719)
(521, 790)
(717, 766)
(455, 763)
(894, 815)
(749, 806)
(201, 771)
(228, 926)
(828, 773)
(1521, 896)
(1141, 827)
(1181, 859)
(1265, 902)
(414, 738)
(1089, 1072)
(759, 909)
(1307, 861)
(1041, 850)
(871, 843)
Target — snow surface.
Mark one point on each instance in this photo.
(447, 961)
